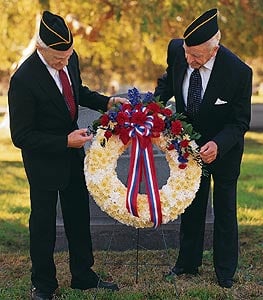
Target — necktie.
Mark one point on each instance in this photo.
(67, 93)
(194, 94)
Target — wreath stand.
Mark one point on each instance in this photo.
(137, 264)
(115, 146)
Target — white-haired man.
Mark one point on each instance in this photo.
(212, 87)
(43, 98)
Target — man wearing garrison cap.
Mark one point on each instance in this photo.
(212, 87)
(43, 96)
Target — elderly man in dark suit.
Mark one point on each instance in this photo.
(43, 98)
(212, 86)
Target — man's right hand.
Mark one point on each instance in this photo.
(78, 138)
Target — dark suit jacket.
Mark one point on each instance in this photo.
(40, 120)
(226, 124)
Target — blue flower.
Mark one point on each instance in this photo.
(182, 160)
(176, 144)
(134, 96)
(113, 115)
(148, 97)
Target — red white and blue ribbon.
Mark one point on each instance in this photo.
(142, 163)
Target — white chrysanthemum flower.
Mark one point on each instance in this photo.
(110, 193)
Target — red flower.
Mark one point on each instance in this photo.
(176, 127)
(104, 120)
(166, 112)
(138, 106)
(138, 118)
(108, 134)
(170, 147)
(184, 143)
(186, 155)
(158, 124)
(155, 134)
(182, 166)
(122, 117)
(153, 107)
(126, 106)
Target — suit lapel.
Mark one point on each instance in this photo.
(179, 72)
(73, 80)
(48, 86)
(213, 89)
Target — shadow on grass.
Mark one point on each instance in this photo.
(13, 236)
(15, 211)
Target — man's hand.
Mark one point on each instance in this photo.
(77, 138)
(114, 100)
(208, 152)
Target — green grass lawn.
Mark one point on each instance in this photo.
(119, 266)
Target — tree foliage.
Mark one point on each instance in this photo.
(127, 40)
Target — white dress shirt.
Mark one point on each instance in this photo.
(205, 72)
(53, 72)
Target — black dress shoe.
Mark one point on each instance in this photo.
(225, 283)
(36, 294)
(100, 285)
(180, 271)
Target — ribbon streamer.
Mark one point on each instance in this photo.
(142, 163)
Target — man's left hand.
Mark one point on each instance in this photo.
(114, 100)
(208, 152)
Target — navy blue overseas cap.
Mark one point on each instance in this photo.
(202, 28)
(54, 32)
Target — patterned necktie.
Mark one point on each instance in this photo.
(67, 93)
(194, 94)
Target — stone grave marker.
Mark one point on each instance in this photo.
(107, 232)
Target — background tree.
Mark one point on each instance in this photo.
(127, 40)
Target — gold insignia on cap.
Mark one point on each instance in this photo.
(199, 25)
(64, 41)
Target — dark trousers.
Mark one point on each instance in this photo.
(225, 239)
(74, 201)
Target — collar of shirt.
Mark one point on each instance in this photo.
(53, 72)
(209, 65)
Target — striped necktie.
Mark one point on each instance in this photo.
(194, 94)
(67, 93)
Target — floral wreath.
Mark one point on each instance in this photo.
(140, 124)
